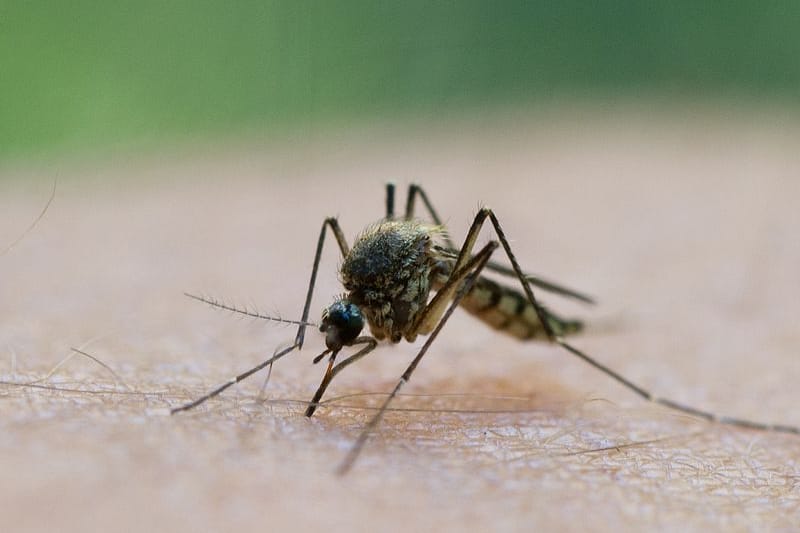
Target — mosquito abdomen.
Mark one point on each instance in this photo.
(508, 310)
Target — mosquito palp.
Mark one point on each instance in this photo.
(404, 278)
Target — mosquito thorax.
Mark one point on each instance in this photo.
(342, 323)
(387, 273)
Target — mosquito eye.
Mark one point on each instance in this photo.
(343, 321)
(346, 316)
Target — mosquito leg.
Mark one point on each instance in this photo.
(233, 381)
(370, 342)
(390, 201)
(543, 284)
(462, 278)
(542, 314)
(415, 191)
(333, 224)
(676, 406)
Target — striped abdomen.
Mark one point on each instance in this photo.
(508, 310)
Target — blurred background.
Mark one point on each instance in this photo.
(86, 77)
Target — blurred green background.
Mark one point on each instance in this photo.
(88, 76)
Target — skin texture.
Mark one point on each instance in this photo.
(682, 225)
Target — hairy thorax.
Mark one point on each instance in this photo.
(387, 274)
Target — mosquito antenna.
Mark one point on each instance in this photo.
(34, 223)
(213, 302)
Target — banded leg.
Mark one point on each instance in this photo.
(462, 279)
(331, 223)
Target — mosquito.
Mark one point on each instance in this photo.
(404, 278)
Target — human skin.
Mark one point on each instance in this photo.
(683, 227)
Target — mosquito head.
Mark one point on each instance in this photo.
(342, 323)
